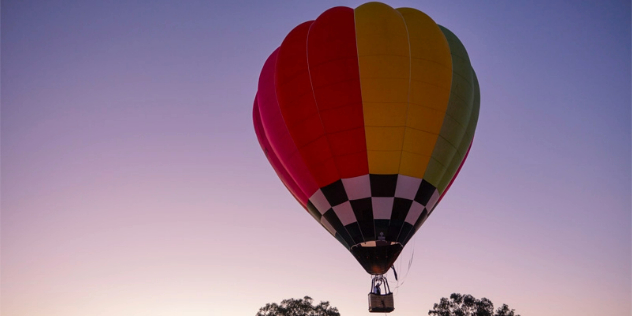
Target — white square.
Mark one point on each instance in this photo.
(358, 187)
(382, 207)
(407, 187)
(320, 202)
(345, 213)
(414, 212)
(433, 200)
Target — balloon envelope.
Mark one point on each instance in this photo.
(367, 115)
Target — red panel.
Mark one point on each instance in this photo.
(297, 104)
(456, 174)
(304, 132)
(278, 167)
(343, 118)
(333, 66)
(317, 152)
(292, 51)
(278, 135)
(348, 164)
(345, 142)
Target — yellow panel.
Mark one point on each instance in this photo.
(426, 95)
(414, 137)
(431, 79)
(428, 71)
(384, 137)
(413, 165)
(395, 66)
(384, 60)
(384, 114)
(384, 162)
(425, 119)
(384, 91)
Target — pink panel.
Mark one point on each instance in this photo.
(278, 167)
(277, 133)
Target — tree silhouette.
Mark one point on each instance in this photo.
(298, 307)
(468, 305)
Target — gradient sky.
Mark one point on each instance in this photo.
(133, 183)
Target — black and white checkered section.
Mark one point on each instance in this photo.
(370, 207)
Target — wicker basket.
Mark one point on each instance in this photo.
(381, 303)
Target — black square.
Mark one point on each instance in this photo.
(368, 230)
(354, 231)
(425, 192)
(421, 219)
(333, 219)
(400, 209)
(335, 222)
(381, 228)
(383, 185)
(342, 241)
(405, 234)
(393, 231)
(335, 193)
(363, 210)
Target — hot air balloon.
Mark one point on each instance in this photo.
(367, 116)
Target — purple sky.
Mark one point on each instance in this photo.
(133, 183)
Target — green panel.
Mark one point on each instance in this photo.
(467, 139)
(457, 116)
